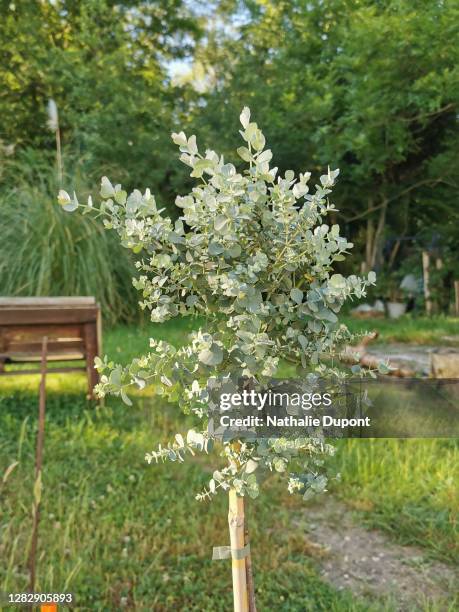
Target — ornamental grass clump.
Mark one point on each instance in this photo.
(252, 253)
(42, 254)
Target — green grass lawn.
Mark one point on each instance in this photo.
(117, 532)
(417, 330)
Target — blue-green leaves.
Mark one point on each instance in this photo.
(328, 180)
(68, 204)
(251, 133)
(244, 154)
(252, 254)
(296, 295)
(211, 356)
(371, 277)
(220, 223)
(245, 117)
(179, 139)
(106, 188)
(337, 282)
(383, 368)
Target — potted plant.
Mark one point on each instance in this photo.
(395, 304)
(252, 254)
(389, 287)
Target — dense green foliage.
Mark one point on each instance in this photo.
(103, 64)
(372, 87)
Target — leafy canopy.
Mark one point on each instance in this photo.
(252, 253)
(104, 63)
(369, 86)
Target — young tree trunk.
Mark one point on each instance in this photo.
(236, 529)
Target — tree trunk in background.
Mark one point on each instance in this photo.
(376, 255)
(393, 253)
(456, 297)
(425, 270)
(440, 288)
(369, 242)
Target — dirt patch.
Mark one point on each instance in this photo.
(368, 564)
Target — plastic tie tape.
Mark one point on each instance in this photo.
(226, 552)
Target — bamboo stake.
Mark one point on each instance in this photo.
(236, 529)
(38, 464)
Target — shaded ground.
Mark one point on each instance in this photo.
(367, 563)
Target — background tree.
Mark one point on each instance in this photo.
(104, 64)
(373, 87)
(369, 86)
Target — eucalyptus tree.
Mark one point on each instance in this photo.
(252, 253)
